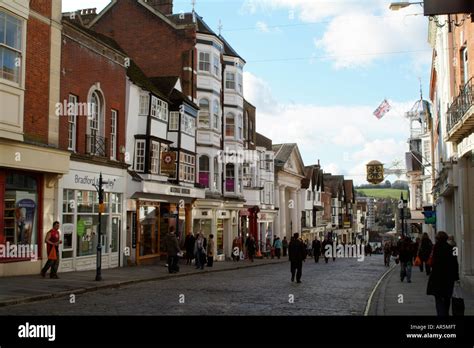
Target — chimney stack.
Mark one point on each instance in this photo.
(164, 6)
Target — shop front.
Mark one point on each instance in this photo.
(79, 207)
(222, 223)
(150, 220)
(27, 187)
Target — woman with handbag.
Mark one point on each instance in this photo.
(445, 272)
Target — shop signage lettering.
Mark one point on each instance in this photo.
(86, 180)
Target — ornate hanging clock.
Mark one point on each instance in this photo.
(375, 172)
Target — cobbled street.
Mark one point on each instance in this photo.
(337, 288)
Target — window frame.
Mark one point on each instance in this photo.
(139, 143)
(144, 106)
(230, 82)
(155, 157)
(113, 134)
(203, 63)
(72, 123)
(174, 121)
(17, 51)
(202, 113)
(229, 126)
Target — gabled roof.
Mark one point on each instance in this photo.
(167, 84)
(283, 154)
(99, 37)
(335, 183)
(265, 142)
(138, 77)
(228, 50)
(349, 191)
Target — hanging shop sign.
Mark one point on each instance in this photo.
(375, 172)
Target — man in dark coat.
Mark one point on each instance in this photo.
(316, 249)
(189, 246)
(284, 244)
(297, 255)
(325, 250)
(445, 271)
(424, 252)
(251, 247)
(407, 254)
(172, 248)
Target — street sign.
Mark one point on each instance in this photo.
(400, 204)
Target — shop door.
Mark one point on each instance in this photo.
(148, 241)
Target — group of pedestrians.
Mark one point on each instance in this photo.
(439, 261)
(198, 249)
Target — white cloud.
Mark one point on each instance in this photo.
(358, 32)
(359, 39)
(348, 136)
(345, 138)
(262, 26)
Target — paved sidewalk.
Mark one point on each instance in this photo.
(415, 300)
(23, 289)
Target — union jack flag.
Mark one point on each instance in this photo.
(382, 109)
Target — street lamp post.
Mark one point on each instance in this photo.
(100, 190)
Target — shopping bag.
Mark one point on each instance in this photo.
(457, 301)
(417, 262)
(52, 254)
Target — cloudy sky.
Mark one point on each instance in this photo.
(317, 69)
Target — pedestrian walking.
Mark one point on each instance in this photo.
(268, 249)
(387, 252)
(278, 246)
(285, 246)
(424, 253)
(251, 247)
(316, 246)
(297, 254)
(210, 251)
(52, 240)
(200, 251)
(444, 273)
(407, 253)
(309, 248)
(173, 249)
(368, 249)
(325, 248)
(189, 247)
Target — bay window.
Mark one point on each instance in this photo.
(155, 157)
(215, 115)
(174, 121)
(139, 165)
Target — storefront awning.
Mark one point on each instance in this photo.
(161, 198)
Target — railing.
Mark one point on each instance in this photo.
(463, 102)
(96, 145)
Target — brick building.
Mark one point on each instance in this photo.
(92, 128)
(30, 160)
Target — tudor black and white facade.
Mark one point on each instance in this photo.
(162, 156)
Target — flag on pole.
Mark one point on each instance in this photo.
(384, 108)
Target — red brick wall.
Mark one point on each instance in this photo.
(156, 47)
(43, 7)
(37, 60)
(84, 68)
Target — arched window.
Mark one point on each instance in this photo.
(215, 115)
(230, 125)
(96, 144)
(204, 171)
(204, 113)
(230, 178)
